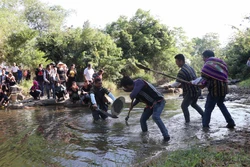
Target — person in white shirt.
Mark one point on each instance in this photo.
(14, 70)
(88, 73)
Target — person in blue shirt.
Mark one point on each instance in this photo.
(143, 91)
(19, 74)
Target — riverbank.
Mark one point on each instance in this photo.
(231, 150)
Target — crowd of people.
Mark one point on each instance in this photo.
(10, 77)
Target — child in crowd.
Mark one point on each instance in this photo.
(73, 92)
(35, 91)
(60, 91)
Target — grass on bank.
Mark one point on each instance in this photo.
(203, 157)
(245, 83)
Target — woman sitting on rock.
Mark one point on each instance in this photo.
(85, 98)
(73, 92)
(35, 91)
(60, 91)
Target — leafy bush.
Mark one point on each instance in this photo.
(109, 85)
(25, 85)
(146, 76)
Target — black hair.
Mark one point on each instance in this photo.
(97, 80)
(126, 81)
(208, 53)
(180, 57)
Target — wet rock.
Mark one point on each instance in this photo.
(16, 105)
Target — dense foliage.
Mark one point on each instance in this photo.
(32, 32)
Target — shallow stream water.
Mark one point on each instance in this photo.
(59, 136)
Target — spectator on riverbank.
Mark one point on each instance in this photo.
(73, 92)
(214, 75)
(35, 90)
(49, 82)
(88, 73)
(14, 70)
(39, 77)
(85, 89)
(60, 91)
(190, 92)
(71, 74)
(142, 91)
(98, 74)
(19, 74)
(61, 71)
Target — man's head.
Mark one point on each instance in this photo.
(100, 72)
(40, 65)
(127, 83)
(89, 66)
(179, 60)
(98, 82)
(48, 67)
(206, 54)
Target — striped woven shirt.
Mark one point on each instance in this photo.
(215, 87)
(187, 73)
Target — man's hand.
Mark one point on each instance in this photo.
(95, 106)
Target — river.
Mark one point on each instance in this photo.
(59, 136)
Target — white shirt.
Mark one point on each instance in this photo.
(14, 68)
(88, 73)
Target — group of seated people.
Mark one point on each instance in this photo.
(61, 92)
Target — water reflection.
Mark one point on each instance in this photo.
(59, 136)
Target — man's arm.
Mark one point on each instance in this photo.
(138, 85)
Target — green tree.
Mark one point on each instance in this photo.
(142, 37)
(20, 48)
(81, 46)
(237, 53)
(42, 17)
(208, 41)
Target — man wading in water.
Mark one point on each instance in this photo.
(145, 92)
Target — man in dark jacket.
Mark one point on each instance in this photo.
(145, 92)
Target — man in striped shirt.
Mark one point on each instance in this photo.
(190, 92)
(214, 76)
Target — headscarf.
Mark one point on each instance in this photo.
(35, 85)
